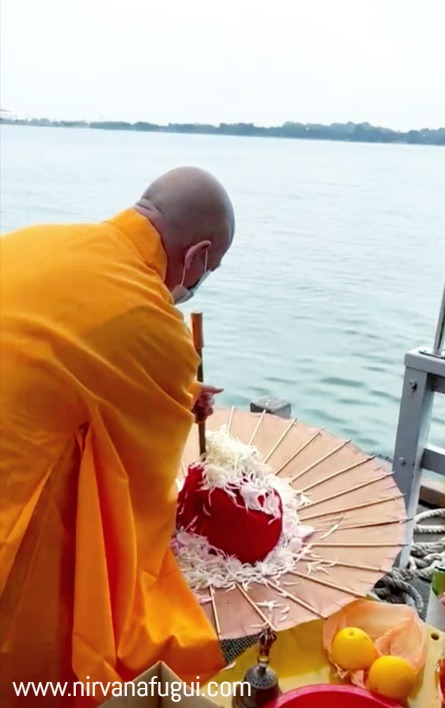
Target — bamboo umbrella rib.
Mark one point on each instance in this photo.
(297, 600)
(215, 613)
(356, 545)
(254, 605)
(257, 427)
(371, 568)
(321, 459)
(327, 583)
(321, 480)
(229, 424)
(367, 483)
(365, 505)
(280, 440)
(303, 447)
(372, 524)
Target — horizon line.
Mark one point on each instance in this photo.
(16, 117)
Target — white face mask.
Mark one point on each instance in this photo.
(181, 294)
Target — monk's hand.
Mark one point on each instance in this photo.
(205, 403)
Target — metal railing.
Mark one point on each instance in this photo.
(424, 377)
(438, 339)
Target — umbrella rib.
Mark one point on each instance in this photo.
(372, 568)
(336, 474)
(215, 613)
(260, 420)
(280, 440)
(303, 447)
(374, 523)
(321, 459)
(326, 583)
(340, 544)
(229, 424)
(351, 508)
(297, 600)
(254, 605)
(367, 483)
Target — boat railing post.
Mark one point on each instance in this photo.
(438, 347)
(424, 377)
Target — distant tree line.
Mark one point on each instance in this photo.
(350, 132)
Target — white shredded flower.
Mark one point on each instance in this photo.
(270, 605)
(236, 467)
(284, 613)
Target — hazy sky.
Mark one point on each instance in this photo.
(381, 61)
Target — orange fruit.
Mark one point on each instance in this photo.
(353, 649)
(392, 677)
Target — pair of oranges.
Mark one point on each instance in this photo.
(391, 676)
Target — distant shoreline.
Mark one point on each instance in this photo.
(343, 132)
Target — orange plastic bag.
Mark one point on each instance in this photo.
(396, 630)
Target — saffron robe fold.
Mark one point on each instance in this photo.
(97, 371)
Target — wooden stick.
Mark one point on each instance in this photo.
(355, 488)
(303, 447)
(371, 568)
(198, 341)
(338, 523)
(333, 512)
(215, 614)
(260, 420)
(229, 424)
(327, 583)
(321, 459)
(357, 545)
(373, 524)
(280, 440)
(295, 599)
(253, 604)
(336, 474)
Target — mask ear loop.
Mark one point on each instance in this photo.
(184, 270)
(181, 284)
(206, 263)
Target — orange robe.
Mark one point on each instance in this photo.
(97, 371)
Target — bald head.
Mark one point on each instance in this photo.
(194, 216)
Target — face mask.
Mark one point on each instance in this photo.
(181, 294)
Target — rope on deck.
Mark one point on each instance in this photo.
(395, 586)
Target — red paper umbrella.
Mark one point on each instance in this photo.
(354, 506)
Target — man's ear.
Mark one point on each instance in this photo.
(196, 252)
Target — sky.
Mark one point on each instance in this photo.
(319, 61)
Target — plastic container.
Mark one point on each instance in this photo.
(327, 696)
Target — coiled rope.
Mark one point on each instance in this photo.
(394, 586)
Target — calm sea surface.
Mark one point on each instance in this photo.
(336, 271)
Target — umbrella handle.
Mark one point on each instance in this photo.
(198, 341)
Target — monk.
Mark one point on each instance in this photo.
(98, 397)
